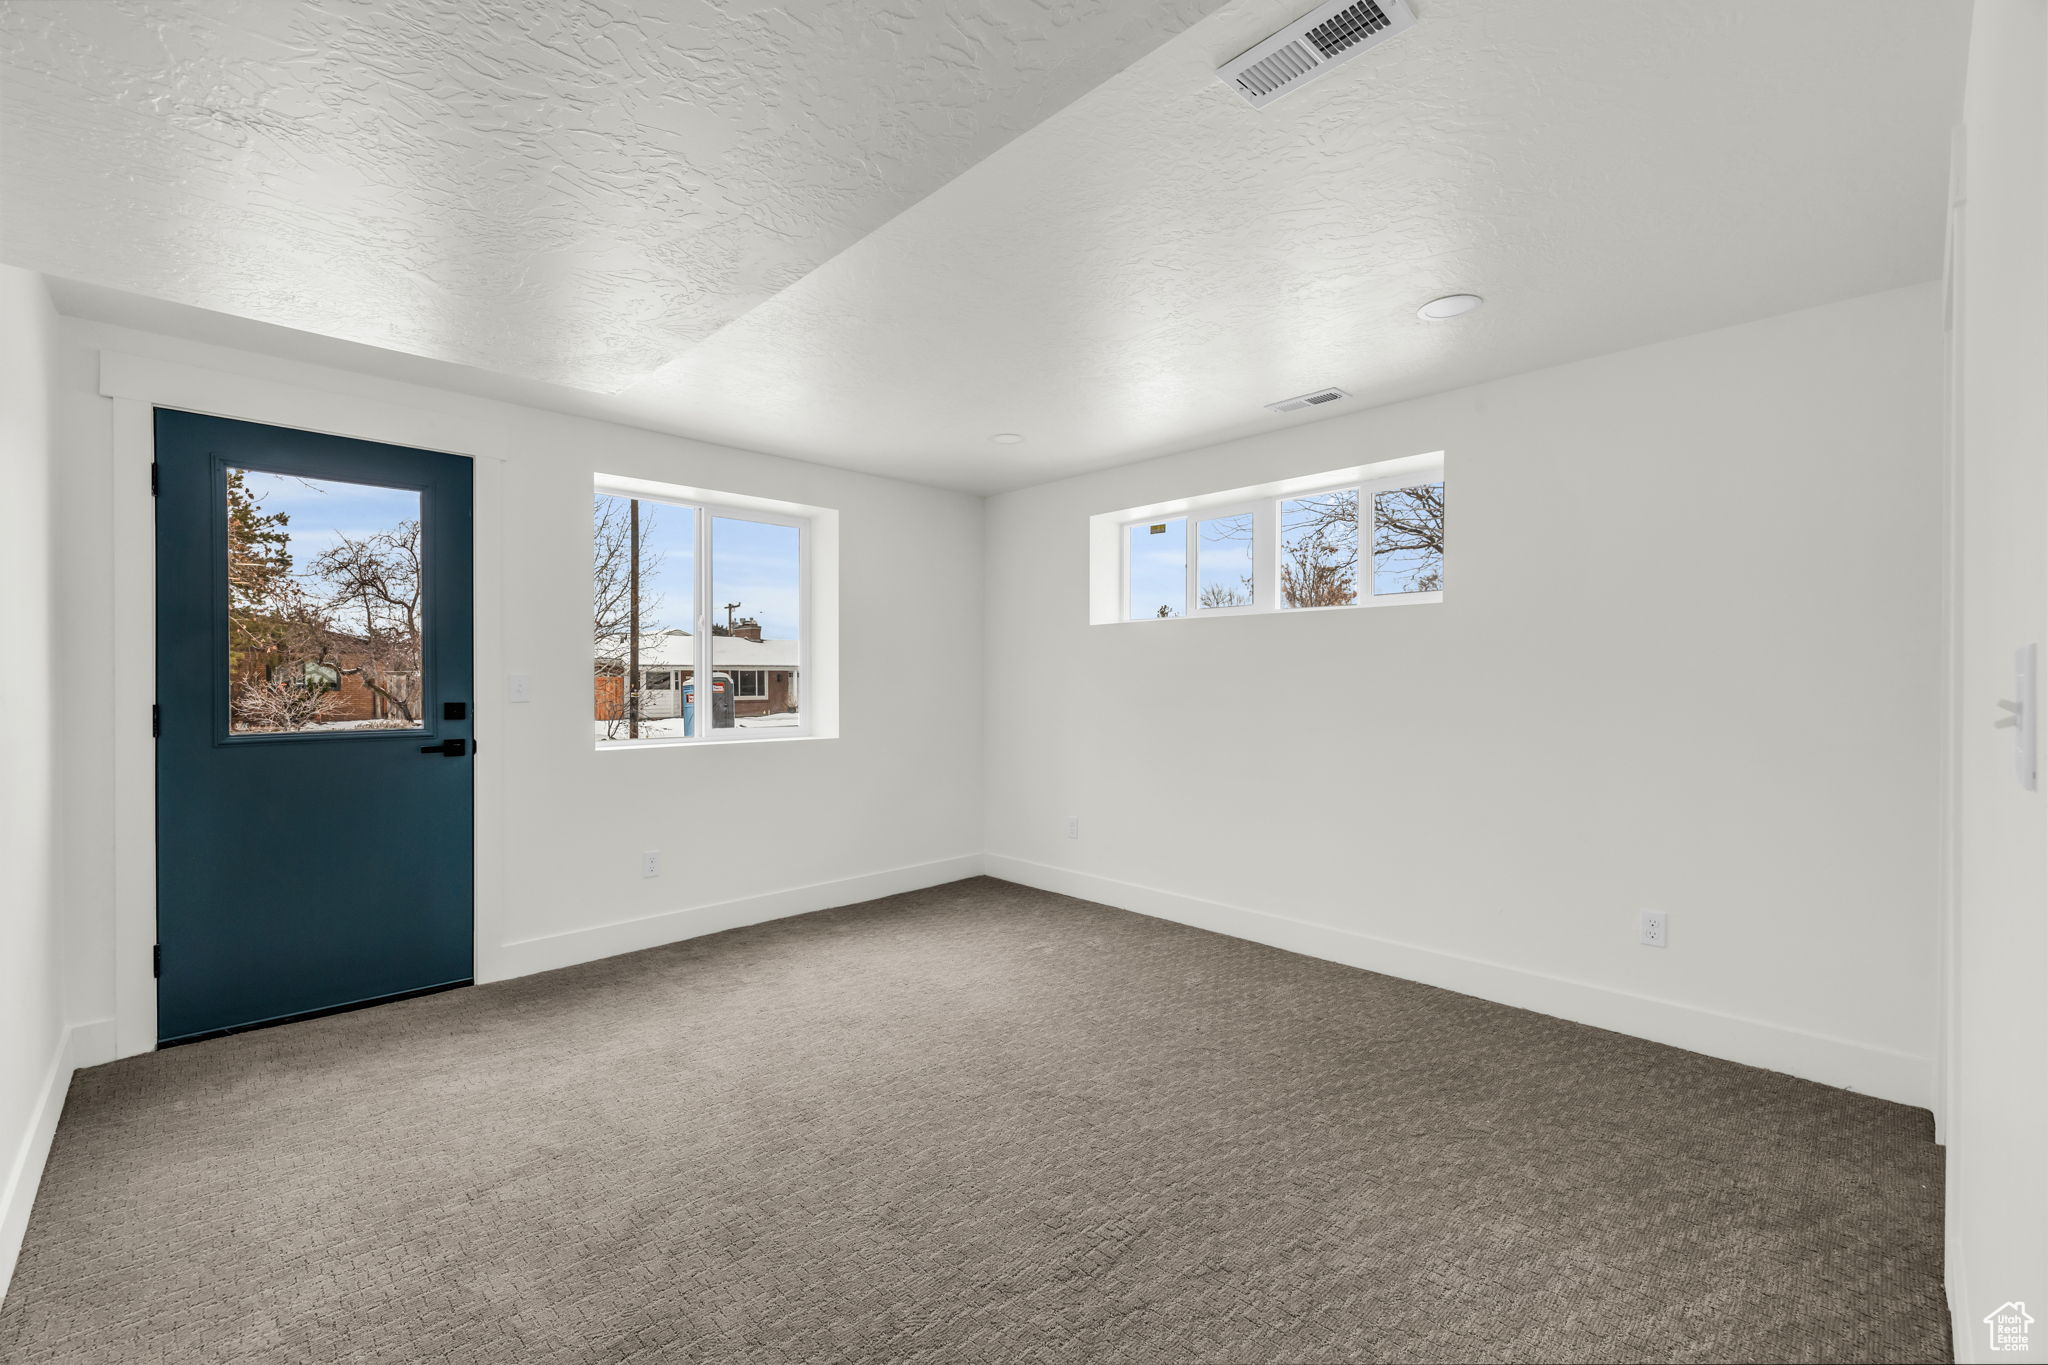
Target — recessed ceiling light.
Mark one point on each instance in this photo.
(1449, 306)
(1007, 438)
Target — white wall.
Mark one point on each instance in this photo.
(749, 830)
(1998, 1048)
(1688, 659)
(31, 1022)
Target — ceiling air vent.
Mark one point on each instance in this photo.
(1319, 40)
(1308, 400)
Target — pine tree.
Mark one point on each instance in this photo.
(259, 577)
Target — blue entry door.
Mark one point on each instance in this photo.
(313, 671)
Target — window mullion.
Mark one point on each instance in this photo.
(703, 691)
(1123, 610)
(1368, 531)
(803, 627)
(1266, 556)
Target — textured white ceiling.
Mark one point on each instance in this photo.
(1145, 268)
(1148, 268)
(568, 190)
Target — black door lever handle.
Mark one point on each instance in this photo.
(447, 748)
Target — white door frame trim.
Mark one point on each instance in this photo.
(137, 385)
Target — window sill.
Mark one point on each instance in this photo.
(1405, 599)
(609, 745)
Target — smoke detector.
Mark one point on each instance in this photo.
(1308, 400)
(1326, 36)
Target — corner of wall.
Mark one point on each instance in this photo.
(81, 1045)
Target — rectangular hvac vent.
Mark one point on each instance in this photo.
(1290, 64)
(1347, 27)
(1326, 36)
(1308, 400)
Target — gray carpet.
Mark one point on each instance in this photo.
(971, 1124)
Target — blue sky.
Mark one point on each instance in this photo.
(756, 565)
(1159, 568)
(323, 510)
(1159, 561)
(1223, 552)
(753, 564)
(670, 532)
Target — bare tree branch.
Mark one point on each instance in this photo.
(612, 554)
(1408, 537)
(375, 585)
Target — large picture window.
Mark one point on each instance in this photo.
(698, 620)
(1362, 537)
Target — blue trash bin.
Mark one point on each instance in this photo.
(721, 704)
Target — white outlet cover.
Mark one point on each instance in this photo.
(1655, 929)
(650, 864)
(518, 687)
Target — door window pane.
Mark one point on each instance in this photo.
(644, 594)
(325, 605)
(756, 616)
(1408, 540)
(1159, 569)
(1319, 550)
(1223, 546)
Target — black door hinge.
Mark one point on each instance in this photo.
(154, 488)
(156, 960)
(156, 721)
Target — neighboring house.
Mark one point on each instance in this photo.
(334, 661)
(763, 672)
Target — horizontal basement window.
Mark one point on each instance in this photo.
(1372, 535)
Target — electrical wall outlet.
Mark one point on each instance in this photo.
(518, 687)
(1655, 927)
(1073, 826)
(650, 864)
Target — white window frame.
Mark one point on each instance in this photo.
(708, 510)
(1259, 569)
(1272, 554)
(1368, 535)
(1111, 535)
(1125, 535)
(762, 695)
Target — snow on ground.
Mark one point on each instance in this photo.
(673, 727)
(323, 727)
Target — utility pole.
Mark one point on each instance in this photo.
(730, 608)
(633, 626)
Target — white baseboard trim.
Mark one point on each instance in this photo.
(1818, 1057)
(86, 1044)
(566, 949)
